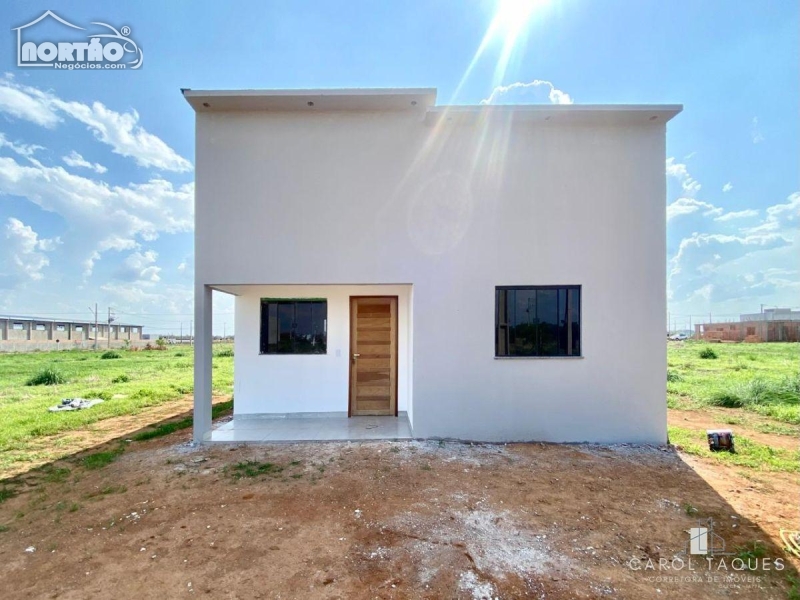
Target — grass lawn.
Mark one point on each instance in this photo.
(128, 382)
(760, 378)
(753, 389)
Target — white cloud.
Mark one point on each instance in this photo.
(149, 297)
(121, 131)
(739, 214)
(524, 93)
(686, 206)
(100, 217)
(729, 269)
(140, 266)
(780, 217)
(679, 172)
(26, 103)
(25, 150)
(22, 255)
(73, 159)
(727, 187)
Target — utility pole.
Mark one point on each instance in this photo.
(180, 339)
(224, 331)
(110, 320)
(191, 333)
(96, 330)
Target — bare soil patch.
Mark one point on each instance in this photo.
(379, 520)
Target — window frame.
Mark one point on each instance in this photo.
(579, 355)
(263, 348)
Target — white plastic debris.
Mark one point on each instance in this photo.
(74, 404)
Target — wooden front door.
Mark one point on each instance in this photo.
(373, 355)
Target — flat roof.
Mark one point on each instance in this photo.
(419, 99)
(290, 100)
(560, 113)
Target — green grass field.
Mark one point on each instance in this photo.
(128, 381)
(760, 378)
(758, 387)
(751, 379)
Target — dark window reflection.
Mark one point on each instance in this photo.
(537, 321)
(294, 326)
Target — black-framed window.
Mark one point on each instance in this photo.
(538, 320)
(294, 326)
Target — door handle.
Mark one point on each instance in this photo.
(355, 356)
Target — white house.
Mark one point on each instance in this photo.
(493, 273)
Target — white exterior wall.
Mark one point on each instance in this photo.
(455, 209)
(290, 383)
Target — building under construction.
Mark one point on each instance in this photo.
(771, 325)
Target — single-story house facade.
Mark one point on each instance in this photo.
(463, 266)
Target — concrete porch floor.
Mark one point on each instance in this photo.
(316, 428)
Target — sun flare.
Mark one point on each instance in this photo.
(508, 26)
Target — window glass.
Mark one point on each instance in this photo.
(293, 326)
(537, 321)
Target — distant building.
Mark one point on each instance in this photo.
(31, 333)
(772, 314)
(757, 330)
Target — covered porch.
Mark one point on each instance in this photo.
(311, 363)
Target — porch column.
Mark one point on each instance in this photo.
(202, 361)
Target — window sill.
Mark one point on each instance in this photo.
(538, 357)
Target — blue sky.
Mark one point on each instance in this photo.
(96, 174)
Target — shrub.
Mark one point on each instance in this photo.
(161, 343)
(673, 375)
(225, 353)
(758, 392)
(124, 378)
(727, 399)
(47, 376)
(110, 354)
(708, 352)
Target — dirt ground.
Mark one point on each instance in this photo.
(386, 520)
